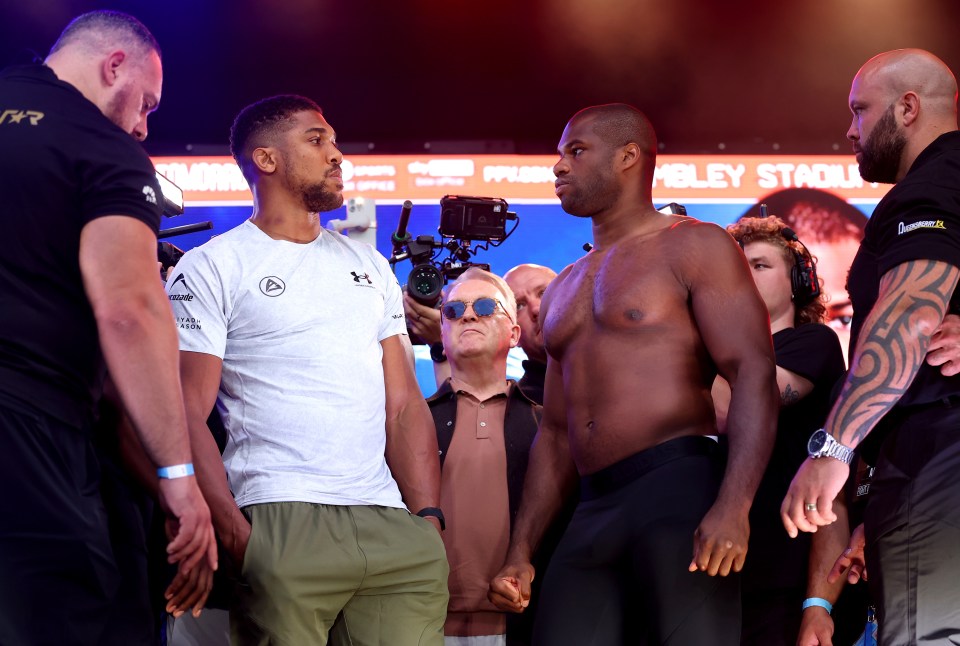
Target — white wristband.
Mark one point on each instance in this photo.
(176, 471)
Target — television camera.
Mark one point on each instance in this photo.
(467, 225)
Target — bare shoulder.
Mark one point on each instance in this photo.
(697, 232)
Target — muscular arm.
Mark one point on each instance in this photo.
(200, 374)
(412, 452)
(911, 304)
(551, 476)
(734, 325)
(816, 627)
(119, 268)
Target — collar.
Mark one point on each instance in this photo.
(943, 143)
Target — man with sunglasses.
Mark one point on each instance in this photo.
(485, 425)
(635, 332)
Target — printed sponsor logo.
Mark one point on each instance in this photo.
(922, 224)
(149, 194)
(272, 286)
(17, 116)
(180, 297)
(188, 323)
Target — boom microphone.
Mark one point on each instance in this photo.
(400, 236)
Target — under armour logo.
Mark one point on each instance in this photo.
(357, 277)
(272, 286)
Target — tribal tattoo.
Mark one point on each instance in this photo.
(892, 346)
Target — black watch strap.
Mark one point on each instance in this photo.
(436, 512)
(438, 356)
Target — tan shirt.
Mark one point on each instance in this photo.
(475, 502)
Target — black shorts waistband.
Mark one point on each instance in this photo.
(627, 470)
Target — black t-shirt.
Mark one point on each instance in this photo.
(63, 165)
(775, 561)
(531, 384)
(919, 219)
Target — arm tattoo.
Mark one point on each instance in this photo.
(893, 344)
(789, 396)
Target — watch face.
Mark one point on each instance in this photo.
(817, 440)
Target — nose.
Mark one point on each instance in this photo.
(560, 168)
(140, 130)
(853, 133)
(533, 305)
(336, 157)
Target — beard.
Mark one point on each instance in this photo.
(881, 153)
(118, 106)
(315, 197)
(591, 195)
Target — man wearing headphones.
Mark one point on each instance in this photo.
(809, 362)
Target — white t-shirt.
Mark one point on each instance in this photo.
(298, 327)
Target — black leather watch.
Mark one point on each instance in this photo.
(436, 352)
(436, 512)
(822, 445)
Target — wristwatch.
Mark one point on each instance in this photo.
(436, 513)
(822, 444)
(437, 353)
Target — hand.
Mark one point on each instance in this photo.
(817, 482)
(236, 542)
(422, 320)
(720, 542)
(944, 349)
(510, 589)
(816, 628)
(189, 590)
(852, 558)
(188, 523)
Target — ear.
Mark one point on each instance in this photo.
(265, 160)
(910, 103)
(514, 336)
(628, 156)
(110, 67)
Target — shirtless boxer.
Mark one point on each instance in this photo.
(635, 333)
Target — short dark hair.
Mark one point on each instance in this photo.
(104, 22)
(770, 230)
(258, 121)
(619, 124)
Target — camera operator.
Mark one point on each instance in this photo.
(79, 288)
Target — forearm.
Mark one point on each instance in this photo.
(550, 480)
(139, 343)
(412, 455)
(892, 345)
(826, 545)
(751, 430)
(212, 478)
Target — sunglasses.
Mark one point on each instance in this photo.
(486, 306)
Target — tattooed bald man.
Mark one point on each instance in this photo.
(902, 283)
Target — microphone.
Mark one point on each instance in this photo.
(400, 236)
(790, 234)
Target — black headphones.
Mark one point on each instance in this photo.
(804, 283)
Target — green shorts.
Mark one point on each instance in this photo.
(360, 575)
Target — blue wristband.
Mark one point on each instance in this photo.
(176, 471)
(817, 601)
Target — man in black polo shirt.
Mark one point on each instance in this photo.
(902, 283)
(79, 289)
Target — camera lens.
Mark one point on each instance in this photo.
(424, 284)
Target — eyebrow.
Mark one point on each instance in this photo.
(316, 129)
(575, 142)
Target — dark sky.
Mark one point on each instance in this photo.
(746, 76)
